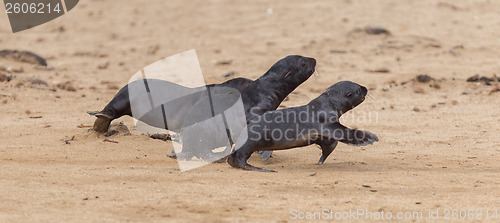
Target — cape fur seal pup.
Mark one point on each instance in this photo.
(288, 128)
(120, 104)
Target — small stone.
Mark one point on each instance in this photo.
(70, 88)
(39, 82)
(376, 30)
(3, 77)
(436, 85)
(419, 91)
(380, 70)
(103, 66)
(474, 78)
(424, 78)
(224, 62)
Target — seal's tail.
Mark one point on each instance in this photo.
(102, 122)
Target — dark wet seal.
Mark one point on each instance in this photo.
(120, 105)
(314, 123)
(264, 94)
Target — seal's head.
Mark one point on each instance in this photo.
(292, 70)
(345, 95)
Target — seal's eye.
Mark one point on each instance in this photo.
(303, 63)
(348, 94)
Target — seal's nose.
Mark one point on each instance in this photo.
(312, 61)
(364, 90)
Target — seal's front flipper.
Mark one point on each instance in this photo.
(266, 154)
(353, 137)
(327, 149)
(360, 138)
(363, 138)
(253, 168)
(102, 122)
(238, 159)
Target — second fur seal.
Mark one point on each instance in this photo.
(314, 123)
(264, 94)
(120, 105)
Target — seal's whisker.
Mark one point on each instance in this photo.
(316, 73)
(369, 96)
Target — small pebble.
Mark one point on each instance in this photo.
(419, 91)
(424, 78)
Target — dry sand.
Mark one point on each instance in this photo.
(439, 147)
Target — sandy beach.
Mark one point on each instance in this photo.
(438, 150)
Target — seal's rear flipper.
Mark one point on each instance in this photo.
(353, 137)
(253, 168)
(235, 160)
(266, 154)
(93, 113)
(102, 122)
